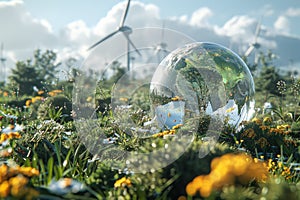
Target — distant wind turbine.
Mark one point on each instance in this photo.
(160, 49)
(126, 30)
(254, 45)
(3, 60)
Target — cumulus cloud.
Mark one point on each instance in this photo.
(293, 12)
(22, 30)
(239, 28)
(200, 17)
(76, 32)
(282, 25)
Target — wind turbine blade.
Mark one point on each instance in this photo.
(131, 43)
(257, 31)
(1, 50)
(163, 32)
(125, 14)
(102, 40)
(249, 50)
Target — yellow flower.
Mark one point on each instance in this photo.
(4, 189)
(5, 94)
(191, 188)
(3, 172)
(256, 120)
(14, 135)
(28, 102)
(176, 98)
(263, 127)
(3, 137)
(52, 94)
(177, 126)
(230, 109)
(225, 170)
(29, 171)
(57, 91)
(89, 99)
(122, 182)
(17, 184)
(267, 119)
(37, 98)
(40, 92)
(123, 99)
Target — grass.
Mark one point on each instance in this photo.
(48, 155)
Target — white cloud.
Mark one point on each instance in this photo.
(200, 17)
(282, 25)
(239, 28)
(22, 30)
(77, 32)
(293, 12)
(140, 15)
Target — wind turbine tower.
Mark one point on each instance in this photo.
(3, 66)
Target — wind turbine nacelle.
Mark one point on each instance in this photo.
(256, 45)
(125, 29)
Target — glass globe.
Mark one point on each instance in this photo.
(199, 80)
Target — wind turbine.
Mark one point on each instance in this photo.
(126, 30)
(2, 60)
(254, 44)
(161, 47)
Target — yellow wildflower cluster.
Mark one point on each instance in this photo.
(122, 182)
(257, 121)
(279, 168)
(168, 132)
(226, 170)
(54, 92)
(33, 100)
(13, 181)
(8, 136)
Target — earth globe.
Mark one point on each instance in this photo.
(205, 81)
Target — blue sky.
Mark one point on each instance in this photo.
(61, 12)
(69, 26)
